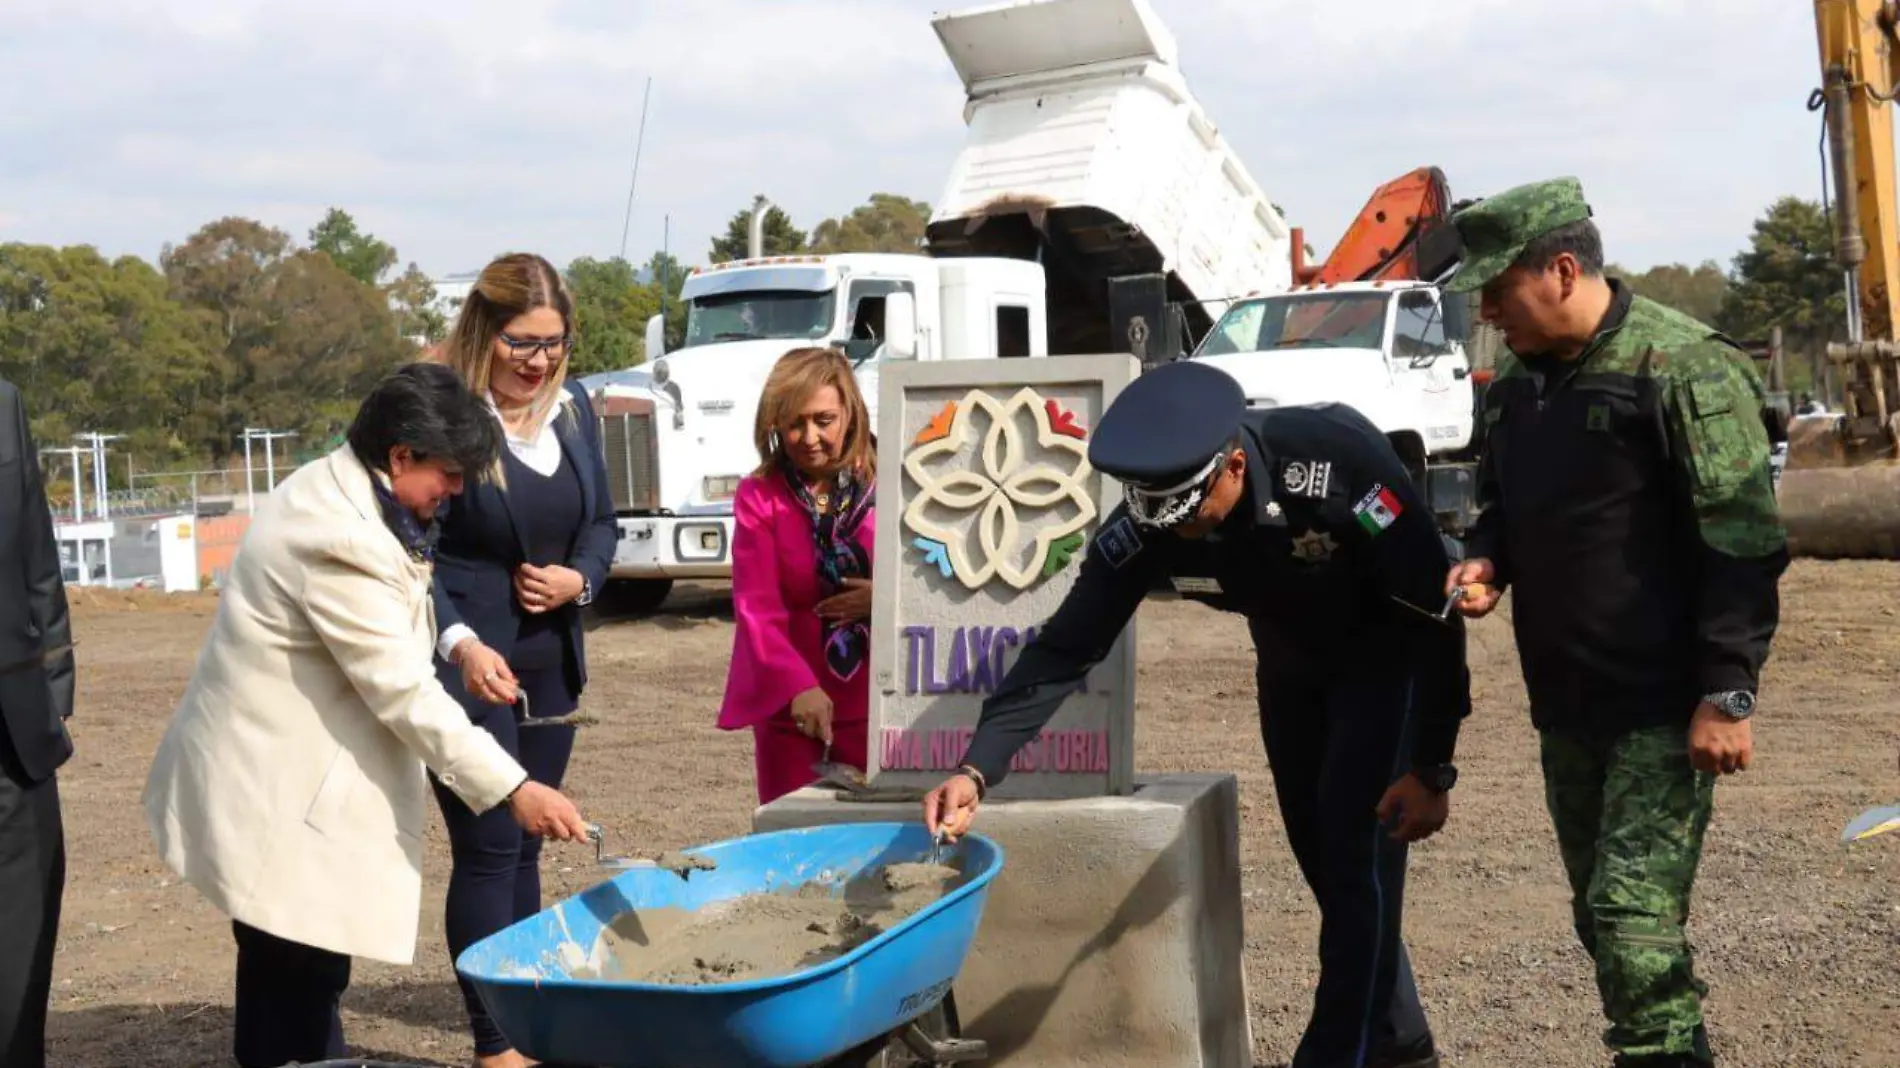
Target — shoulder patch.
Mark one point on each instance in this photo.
(1306, 478)
(1118, 542)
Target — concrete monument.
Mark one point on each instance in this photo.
(986, 503)
(1113, 936)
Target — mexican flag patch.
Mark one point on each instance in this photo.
(1378, 509)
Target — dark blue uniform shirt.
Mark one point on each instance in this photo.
(1329, 532)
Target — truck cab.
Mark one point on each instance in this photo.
(1392, 350)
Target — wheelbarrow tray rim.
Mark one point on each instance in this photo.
(976, 883)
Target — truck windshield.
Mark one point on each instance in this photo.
(752, 315)
(1301, 320)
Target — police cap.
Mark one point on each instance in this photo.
(1164, 436)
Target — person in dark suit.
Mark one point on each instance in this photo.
(518, 558)
(36, 698)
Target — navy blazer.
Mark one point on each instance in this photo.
(482, 543)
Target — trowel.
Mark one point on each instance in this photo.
(680, 864)
(843, 776)
(1874, 821)
(1444, 614)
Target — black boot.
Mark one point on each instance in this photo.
(1699, 1056)
(1419, 1054)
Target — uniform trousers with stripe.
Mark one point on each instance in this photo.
(1337, 735)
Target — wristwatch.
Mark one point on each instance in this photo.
(1736, 704)
(587, 593)
(1438, 778)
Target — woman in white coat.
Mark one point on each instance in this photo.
(290, 787)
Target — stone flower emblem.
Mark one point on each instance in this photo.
(1009, 482)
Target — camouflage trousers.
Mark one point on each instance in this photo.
(1630, 812)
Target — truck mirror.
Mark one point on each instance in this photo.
(900, 326)
(1457, 317)
(656, 337)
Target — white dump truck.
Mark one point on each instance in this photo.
(1093, 207)
(1368, 328)
(1386, 349)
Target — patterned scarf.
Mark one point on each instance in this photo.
(417, 539)
(839, 557)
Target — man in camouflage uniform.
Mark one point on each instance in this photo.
(1625, 496)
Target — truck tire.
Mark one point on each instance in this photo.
(632, 598)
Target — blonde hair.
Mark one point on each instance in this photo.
(512, 285)
(795, 377)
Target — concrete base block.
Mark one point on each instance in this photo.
(1113, 935)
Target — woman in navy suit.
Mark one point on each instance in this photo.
(517, 560)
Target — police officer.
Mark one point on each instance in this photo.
(1627, 500)
(1304, 521)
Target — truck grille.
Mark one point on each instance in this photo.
(633, 461)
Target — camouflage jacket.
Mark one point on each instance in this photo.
(1627, 501)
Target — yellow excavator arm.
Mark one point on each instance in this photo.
(1860, 73)
(1840, 491)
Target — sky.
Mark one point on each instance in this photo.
(459, 131)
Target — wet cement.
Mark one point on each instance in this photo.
(759, 935)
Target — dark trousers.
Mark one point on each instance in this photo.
(496, 880)
(1335, 743)
(32, 880)
(288, 998)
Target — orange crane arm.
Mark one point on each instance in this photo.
(1382, 242)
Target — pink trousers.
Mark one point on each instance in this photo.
(783, 757)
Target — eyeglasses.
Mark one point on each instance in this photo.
(521, 350)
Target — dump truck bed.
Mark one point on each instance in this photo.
(1087, 152)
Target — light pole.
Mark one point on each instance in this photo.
(250, 491)
(98, 443)
(270, 460)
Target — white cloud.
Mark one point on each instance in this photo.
(458, 131)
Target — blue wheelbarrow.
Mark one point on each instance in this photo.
(885, 1002)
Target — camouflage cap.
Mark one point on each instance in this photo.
(1496, 229)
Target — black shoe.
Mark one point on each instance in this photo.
(1419, 1054)
(1698, 1057)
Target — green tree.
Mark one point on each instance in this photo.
(98, 345)
(360, 255)
(299, 340)
(607, 323)
(887, 223)
(1698, 292)
(781, 238)
(412, 297)
(665, 276)
(1787, 277)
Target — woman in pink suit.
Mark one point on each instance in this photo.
(801, 575)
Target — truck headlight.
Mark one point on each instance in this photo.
(720, 487)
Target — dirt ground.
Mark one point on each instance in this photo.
(1798, 936)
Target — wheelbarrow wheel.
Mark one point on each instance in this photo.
(930, 1041)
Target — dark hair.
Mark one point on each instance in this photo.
(426, 407)
(1579, 238)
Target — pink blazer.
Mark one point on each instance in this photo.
(776, 643)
